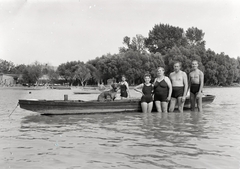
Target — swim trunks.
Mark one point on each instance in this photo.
(177, 92)
(147, 91)
(123, 89)
(161, 91)
(194, 88)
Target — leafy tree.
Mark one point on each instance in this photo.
(67, 70)
(163, 37)
(222, 73)
(95, 74)
(137, 44)
(20, 68)
(195, 36)
(6, 67)
(172, 56)
(53, 75)
(225, 69)
(108, 65)
(31, 73)
(238, 69)
(82, 73)
(210, 77)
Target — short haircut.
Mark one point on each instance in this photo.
(177, 62)
(195, 61)
(160, 67)
(147, 75)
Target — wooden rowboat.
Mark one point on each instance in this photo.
(61, 107)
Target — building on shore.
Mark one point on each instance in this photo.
(8, 79)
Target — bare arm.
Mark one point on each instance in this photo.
(170, 77)
(154, 81)
(201, 82)
(137, 88)
(185, 82)
(189, 81)
(126, 83)
(169, 88)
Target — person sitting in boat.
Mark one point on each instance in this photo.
(196, 79)
(109, 95)
(101, 87)
(124, 88)
(146, 89)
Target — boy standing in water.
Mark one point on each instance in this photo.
(196, 80)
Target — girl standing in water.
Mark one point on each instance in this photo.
(124, 88)
(146, 89)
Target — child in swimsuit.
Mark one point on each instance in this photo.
(124, 89)
(146, 91)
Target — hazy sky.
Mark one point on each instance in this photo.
(58, 31)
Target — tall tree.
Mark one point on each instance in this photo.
(66, 70)
(137, 44)
(82, 73)
(95, 74)
(195, 36)
(32, 73)
(6, 66)
(163, 37)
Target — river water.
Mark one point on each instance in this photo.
(189, 140)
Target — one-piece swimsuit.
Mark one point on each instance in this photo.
(123, 89)
(161, 91)
(147, 93)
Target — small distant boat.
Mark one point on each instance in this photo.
(61, 87)
(62, 107)
(88, 92)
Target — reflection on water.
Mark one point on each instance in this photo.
(133, 140)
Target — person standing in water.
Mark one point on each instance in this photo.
(196, 81)
(162, 90)
(146, 89)
(180, 87)
(124, 88)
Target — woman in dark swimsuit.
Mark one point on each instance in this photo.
(146, 91)
(124, 89)
(162, 91)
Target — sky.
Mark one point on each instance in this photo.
(58, 31)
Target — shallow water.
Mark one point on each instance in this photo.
(191, 140)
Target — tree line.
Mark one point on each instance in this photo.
(164, 45)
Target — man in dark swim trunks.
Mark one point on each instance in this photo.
(196, 80)
(179, 87)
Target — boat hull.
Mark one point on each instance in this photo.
(60, 107)
(79, 107)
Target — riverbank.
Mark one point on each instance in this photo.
(93, 87)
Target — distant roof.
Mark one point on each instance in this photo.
(12, 75)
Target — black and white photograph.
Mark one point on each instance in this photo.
(119, 84)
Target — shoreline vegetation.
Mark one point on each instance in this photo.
(164, 46)
(90, 87)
